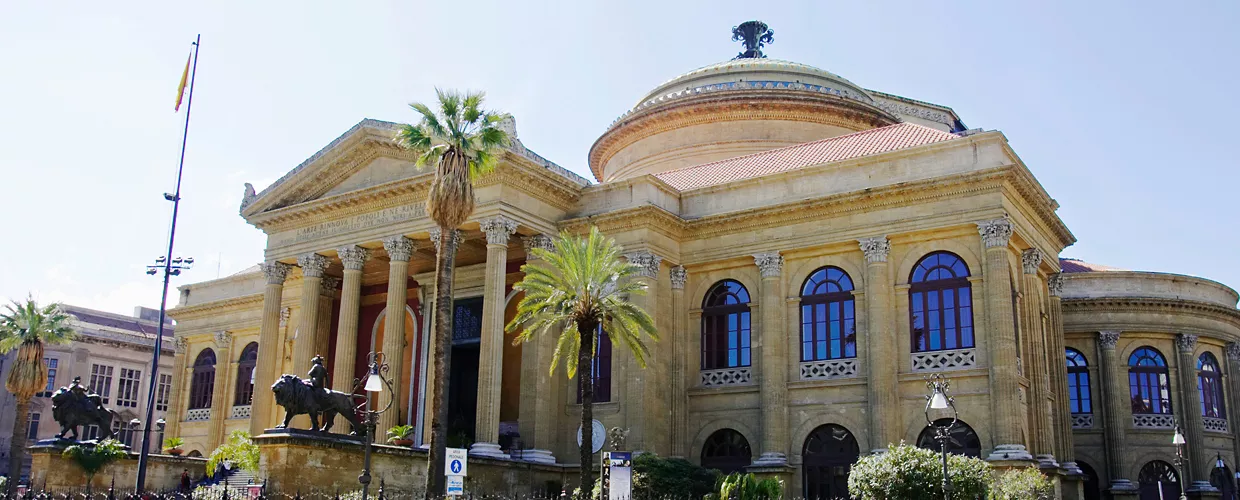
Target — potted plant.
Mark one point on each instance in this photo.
(172, 446)
(401, 435)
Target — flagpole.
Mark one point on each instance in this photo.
(175, 198)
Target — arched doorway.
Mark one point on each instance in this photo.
(1093, 490)
(726, 451)
(827, 456)
(962, 440)
(1159, 481)
(1222, 479)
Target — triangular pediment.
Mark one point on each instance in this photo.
(379, 171)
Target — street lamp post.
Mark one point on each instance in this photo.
(375, 380)
(1179, 442)
(135, 425)
(940, 401)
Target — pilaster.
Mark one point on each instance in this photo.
(1118, 411)
(1004, 388)
(1065, 441)
(680, 360)
(881, 345)
(1037, 366)
(491, 350)
(176, 410)
(540, 395)
(399, 250)
(225, 365)
(1233, 391)
(773, 370)
(645, 409)
(268, 347)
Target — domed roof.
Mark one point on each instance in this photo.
(754, 73)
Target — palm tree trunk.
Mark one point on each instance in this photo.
(585, 384)
(444, 267)
(17, 444)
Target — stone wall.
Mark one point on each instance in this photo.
(51, 471)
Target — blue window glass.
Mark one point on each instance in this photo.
(828, 316)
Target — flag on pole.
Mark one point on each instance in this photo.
(184, 82)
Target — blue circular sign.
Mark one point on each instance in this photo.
(456, 466)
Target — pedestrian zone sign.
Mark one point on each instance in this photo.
(455, 462)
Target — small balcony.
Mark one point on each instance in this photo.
(741, 375)
(954, 359)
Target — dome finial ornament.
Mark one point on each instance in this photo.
(755, 35)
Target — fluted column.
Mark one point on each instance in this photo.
(643, 408)
(343, 370)
(680, 359)
(1004, 392)
(1232, 383)
(539, 398)
(307, 340)
(176, 410)
(226, 364)
(399, 250)
(491, 348)
(1118, 412)
(881, 345)
(1037, 367)
(773, 370)
(1190, 408)
(268, 347)
(1065, 442)
(323, 330)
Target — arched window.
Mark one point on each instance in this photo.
(726, 451)
(1147, 382)
(828, 316)
(941, 303)
(1210, 387)
(725, 326)
(202, 383)
(1221, 478)
(962, 440)
(1079, 399)
(828, 454)
(1093, 489)
(1159, 481)
(245, 375)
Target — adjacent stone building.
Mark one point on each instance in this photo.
(813, 250)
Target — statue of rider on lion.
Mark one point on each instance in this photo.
(74, 406)
(313, 398)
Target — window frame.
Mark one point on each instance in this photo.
(600, 369)
(101, 377)
(1077, 373)
(835, 309)
(919, 293)
(129, 388)
(1143, 374)
(1210, 387)
(716, 316)
(202, 380)
(243, 392)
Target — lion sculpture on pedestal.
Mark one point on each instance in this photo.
(298, 397)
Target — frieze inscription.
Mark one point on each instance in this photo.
(379, 218)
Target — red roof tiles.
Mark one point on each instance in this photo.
(855, 145)
(1080, 266)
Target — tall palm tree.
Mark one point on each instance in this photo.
(461, 141)
(578, 287)
(27, 328)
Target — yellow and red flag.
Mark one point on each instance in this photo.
(184, 82)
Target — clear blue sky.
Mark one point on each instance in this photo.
(1123, 110)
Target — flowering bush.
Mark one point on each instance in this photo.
(910, 473)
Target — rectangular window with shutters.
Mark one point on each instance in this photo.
(127, 388)
(162, 394)
(33, 432)
(52, 364)
(101, 381)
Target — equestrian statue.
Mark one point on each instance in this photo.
(74, 406)
(312, 397)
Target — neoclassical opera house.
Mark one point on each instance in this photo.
(813, 249)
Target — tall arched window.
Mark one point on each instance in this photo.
(1093, 490)
(1147, 382)
(941, 303)
(1079, 400)
(962, 440)
(726, 451)
(202, 383)
(245, 371)
(725, 326)
(828, 316)
(1210, 386)
(828, 454)
(1159, 481)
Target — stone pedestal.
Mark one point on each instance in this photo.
(49, 470)
(783, 473)
(1072, 486)
(1195, 492)
(1123, 489)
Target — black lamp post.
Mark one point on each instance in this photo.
(135, 425)
(940, 401)
(375, 381)
(1179, 442)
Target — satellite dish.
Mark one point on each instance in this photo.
(598, 437)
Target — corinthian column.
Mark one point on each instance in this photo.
(680, 340)
(491, 348)
(881, 345)
(307, 340)
(1065, 442)
(176, 410)
(773, 370)
(645, 410)
(1118, 414)
(1233, 388)
(1194, 426)
(226, 364)
(1037, 366)
(399, 250)
(343, 370)
(1004, 388)
(323, 330)
(539, 399)
(268, 347)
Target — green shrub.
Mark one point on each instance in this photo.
(656, 477)
(911, 473)
(738, 486)
(1022, 484)
(240, 451)
(173, 442)
(400, 433)
(93, 459)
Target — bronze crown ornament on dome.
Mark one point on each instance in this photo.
(755, 35)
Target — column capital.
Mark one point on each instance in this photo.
(679, 276)
(399, 248)
(330, 285)
(1055, 284)
(876, 248)
(1233, 351)
(180, 345)
(435, 233)
(647, 260)
(276, 272)
(1031, 260)
(1108, 340)
(539, 241)
(353, 257)
(223, 339)
(1186, 343)
(995, 232)
(498, 229)
(312, 265)
(770, 264)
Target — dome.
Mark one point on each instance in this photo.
(770, 73)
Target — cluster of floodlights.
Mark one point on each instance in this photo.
(174, 268)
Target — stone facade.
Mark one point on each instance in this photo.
(841, 275)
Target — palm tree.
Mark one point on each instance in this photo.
(461, 141)
(27, 328)
(578, 287)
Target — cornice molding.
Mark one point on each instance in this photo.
(1092, 306)
(184, 313)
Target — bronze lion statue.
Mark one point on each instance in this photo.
(298, 398)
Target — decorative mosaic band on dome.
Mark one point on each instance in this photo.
(750, 85)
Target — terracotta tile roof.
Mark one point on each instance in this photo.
(855, 145)
(1069, 265)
